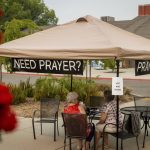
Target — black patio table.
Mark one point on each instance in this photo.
(143, 110)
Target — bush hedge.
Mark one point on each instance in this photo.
(53, 87)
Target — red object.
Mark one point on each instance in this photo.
(72, 109)
(144, 10)
(5, 95)
(1, 13)
(8, 121)
(1, 37)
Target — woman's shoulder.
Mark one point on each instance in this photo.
(82, 109)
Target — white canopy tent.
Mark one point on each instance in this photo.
(84, 38)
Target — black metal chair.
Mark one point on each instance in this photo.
(145, 116)
(48, 113)
(141, 101)
(93, 110)
(96, 101)
(125, 132)
(75, 126)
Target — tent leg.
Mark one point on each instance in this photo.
(90, 70)
(0, 82)
(117, 113)
(71, 82)
(86, 69)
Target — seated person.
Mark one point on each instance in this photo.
(74, 107)
(108, 115)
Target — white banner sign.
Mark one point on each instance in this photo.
(117, 86)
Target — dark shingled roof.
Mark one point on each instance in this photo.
(139, 25)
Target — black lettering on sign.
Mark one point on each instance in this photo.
(48, 66)
(142, 67)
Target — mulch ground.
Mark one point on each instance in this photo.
(26, 109)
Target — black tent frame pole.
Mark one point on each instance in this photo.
(90, 70)
(71, 82)
(86, 69)
(0, 83)
(117, 113)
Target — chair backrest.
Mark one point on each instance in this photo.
(131, 123)
(96, 101)
(75, 125)
(49, 107)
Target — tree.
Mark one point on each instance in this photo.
(110, 63)
(19, 18)
(19, 28)
(34, 10)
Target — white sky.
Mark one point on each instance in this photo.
(67, 10)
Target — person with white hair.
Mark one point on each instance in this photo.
(74, 107)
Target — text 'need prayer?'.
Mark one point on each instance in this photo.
(48, 66)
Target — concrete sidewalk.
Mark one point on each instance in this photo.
(22, 138)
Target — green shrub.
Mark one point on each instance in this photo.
(27, 87)
(84, 88)
(49, 87)
(53, 87)
(19, 96)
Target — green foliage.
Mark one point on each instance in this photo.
(27, 88)
(13, 29)
(109, 63)
(34, 10)
(48, 87)
(22, 17)
(103, 87)
(53, 87)
(18, 95)
(2, 60)
(22, 91)
(82, 87)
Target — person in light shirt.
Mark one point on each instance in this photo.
(108, 115)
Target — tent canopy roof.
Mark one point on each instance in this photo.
(84, 38)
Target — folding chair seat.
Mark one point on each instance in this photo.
(127, 130)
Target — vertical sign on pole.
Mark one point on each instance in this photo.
(117, 105)
(117, 86)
